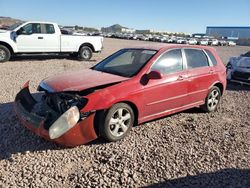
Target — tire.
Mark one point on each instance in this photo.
(119, 120)
(85, 53)
(4, 54)
(212, 100)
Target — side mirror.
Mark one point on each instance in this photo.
(154, 75)
(21, 31)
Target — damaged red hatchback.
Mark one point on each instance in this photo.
(132, 86)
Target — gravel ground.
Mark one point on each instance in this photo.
(191, 148)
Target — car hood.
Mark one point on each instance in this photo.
(79, 80)
(244, 62)
(4, 33)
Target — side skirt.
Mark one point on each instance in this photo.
(171, 111)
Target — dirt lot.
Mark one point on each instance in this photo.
(191, 148)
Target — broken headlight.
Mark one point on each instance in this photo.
(61, 102)
(64, 123)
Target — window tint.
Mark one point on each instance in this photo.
(49, 28)
(246, 54)
(32, 28)
(169, 62)
(196, 58)
(126, 62)
(211, 56)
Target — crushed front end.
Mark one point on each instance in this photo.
(56, 116)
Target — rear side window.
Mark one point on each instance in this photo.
(169, 62)
(49, 28)
(196, 58)
(211, 56)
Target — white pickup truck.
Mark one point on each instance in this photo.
(45, 37)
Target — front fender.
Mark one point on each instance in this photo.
(11, 43)
(99, 101)
(106, 98)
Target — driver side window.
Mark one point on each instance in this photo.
(169, 62)
(31, 28)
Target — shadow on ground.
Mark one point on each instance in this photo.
(42, 57)
(230, 177)
(14, 138)
(237, 87)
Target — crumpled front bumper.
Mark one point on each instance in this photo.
(82, 133)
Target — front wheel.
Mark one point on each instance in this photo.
(4, 54)
(212, 99)
(118, 122)
(85, 53)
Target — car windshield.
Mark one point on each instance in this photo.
(126, 62)
(14, 26)
(246, 54)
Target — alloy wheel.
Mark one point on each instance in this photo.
(2, 54)
(213, 99)
(119, 122)
(86, 54)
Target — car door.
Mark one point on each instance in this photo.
(51, 39)
(200, 73)
(29, 38)
(169, 92)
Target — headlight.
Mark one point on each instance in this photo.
(64, 123)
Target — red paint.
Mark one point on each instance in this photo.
(153, 99)
(82, 133)
(80, 80)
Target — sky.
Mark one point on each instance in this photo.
(189, 16)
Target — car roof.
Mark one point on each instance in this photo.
(164, 47)
(41, 22)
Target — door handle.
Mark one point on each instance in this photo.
(211, 72)
(181, 77)
(40, 37)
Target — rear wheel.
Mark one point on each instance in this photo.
(212, 99)
(4, 54)
(85, 53)
(118, 122)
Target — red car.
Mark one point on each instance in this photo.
(132, 86)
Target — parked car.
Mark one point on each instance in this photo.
(181, 41)
(46, 37)
(231, 43)
(222, 43)
(203, 42)
(171, 40)
(192, 41)
(163, 39)
(214, 42)
(134, 85)
(238, 69)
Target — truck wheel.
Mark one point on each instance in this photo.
(85, 53)
(4, 54)
(118, 122)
